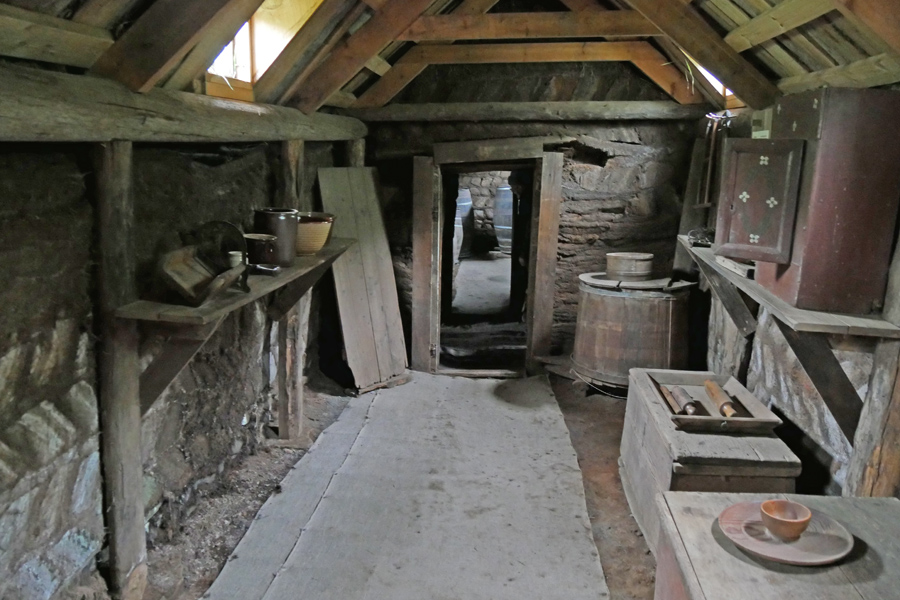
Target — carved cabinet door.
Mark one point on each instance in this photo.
(758, 199)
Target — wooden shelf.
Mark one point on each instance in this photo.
(260, 285)
(796, 318)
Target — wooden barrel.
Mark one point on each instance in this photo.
(618, 330)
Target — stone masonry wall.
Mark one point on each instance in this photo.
(213, 414)
(50, 499)
(482, 186)
(775, 376)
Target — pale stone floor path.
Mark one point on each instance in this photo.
(441, 489)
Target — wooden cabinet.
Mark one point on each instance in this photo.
(758, 199)
(837, 255)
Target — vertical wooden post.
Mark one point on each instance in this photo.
(426, 276)
(356, 153)
(542, 258)
(293, 325)
(120, 409)
(291, 179)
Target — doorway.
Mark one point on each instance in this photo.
(435, 185)
(484, 278)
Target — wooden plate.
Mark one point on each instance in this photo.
(824, 542)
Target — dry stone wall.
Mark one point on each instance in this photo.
(482, 186)
(51, 522)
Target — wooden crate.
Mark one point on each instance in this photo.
(656, 457)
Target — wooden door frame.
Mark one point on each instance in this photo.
(428, 221)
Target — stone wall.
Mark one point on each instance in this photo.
(775, 376)
(482, 186)
(213, 414)
(50, 500)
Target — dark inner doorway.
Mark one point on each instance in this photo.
(484, 269)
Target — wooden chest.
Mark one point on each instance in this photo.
(656, 457)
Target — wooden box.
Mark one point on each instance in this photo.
(656, 457)
(848, 199)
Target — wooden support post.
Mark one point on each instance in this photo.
(290, 183)
(120, 409)
(542, 258)
(356, 153)
(426, 268)
(293, 330)
(827, 377)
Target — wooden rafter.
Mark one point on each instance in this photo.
(158, 40)
(220, 32)
(350, 56)
(776, 21)
(36, 36)
(876, 70)
(103, 13)
(688, 29)
(620, 23)
(285, 71)
(531, 111)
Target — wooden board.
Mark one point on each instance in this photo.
(426, 278)
(36, 36)
(709, 566)
(364, 277)
(260, 285)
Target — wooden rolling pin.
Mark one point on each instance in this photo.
(720, 398)
(685, 403)
(669, 399)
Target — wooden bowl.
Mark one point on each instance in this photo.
(784, 519)
(313, 232)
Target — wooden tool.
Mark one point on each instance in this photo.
(686, 404)
(669, 399)
(720, 398)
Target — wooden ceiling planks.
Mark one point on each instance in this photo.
(158, 40)
(881, 16)
(103, 13)
(350, 56)
(776, 21)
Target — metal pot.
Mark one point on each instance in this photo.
(261, 248)
(282, 223)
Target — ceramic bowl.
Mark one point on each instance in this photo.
(313, 232)
(784, 519)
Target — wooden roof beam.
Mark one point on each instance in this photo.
(46, 106)
(36, 36)
(530, 111)
(776, 21)
(881, 16)
(158, 40)
(642, 54)
(623, 23)
(883, 69)
(219, 33)
(688, 29)
(350, 56)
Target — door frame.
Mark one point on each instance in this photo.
(428, 222)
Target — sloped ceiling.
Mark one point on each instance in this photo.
(355, 53)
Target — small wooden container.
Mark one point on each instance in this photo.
(657, 457)
(629, 266)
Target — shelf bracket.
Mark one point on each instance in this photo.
(827, 377)
(181, 345)
(287, 297)
(730, 297)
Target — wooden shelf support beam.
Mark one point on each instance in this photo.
(827, 376)
(731, 299)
